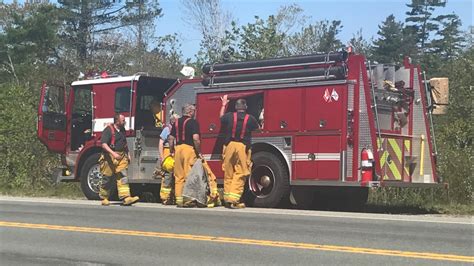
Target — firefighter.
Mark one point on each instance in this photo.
(186, 150)
(237, 127)
(114, 162)
(155, 107)
(164, 150)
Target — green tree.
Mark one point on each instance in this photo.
(317, 37)
(387, 47)
(24, 161)
(85, 20)
(261, 39)
(421, 21)
(361, 45)
(28, 41)
(451, 40)
(455, 130)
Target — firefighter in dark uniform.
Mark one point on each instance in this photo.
(114, 162)
(237, 127)
(186, 150)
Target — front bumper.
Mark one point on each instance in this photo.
(62, 175)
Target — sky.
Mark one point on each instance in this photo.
(354, 14)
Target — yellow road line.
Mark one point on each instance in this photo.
(268, 243)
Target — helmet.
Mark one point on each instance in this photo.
(168, 164)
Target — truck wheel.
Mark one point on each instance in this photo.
(268, 183)
(90, 177)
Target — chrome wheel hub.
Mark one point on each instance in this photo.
(262, 181)
(94, 178)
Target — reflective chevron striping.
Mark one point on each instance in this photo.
(396, 149)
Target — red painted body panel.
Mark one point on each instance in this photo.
(283, 107)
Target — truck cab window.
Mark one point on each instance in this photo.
(122, 99)
(81, 129)
(54, 100)
(254, 106)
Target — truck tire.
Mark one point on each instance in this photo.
(90, 177)
(268, 185)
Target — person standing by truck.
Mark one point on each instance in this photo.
(236, 155)
(167, 179)
(187, 149)
(114, 162)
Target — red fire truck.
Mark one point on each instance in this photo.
(330, 122)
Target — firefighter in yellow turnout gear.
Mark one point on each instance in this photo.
(167, 179)
(236, 153)
(114, 162)
(186, 149)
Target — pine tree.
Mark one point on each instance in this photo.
(388, 47)
(361, 45)
(451, 40)
(85, 20)
(421, 21)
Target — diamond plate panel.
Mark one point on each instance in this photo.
(419, 128)
(350, 149)
(364, 126)
(185, 94)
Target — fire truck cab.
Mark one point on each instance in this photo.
(329, 122)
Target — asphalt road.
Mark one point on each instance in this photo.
(78, 232)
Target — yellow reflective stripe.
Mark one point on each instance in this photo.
(395, 171)
(165, 189)
(407, 143)
(396, 149)
(235, 196)
(379, 143)
(383, 158)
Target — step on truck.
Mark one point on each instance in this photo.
(331, 124)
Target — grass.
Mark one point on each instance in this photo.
(61, 190)
(415, 201)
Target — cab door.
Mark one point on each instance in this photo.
(51, 121)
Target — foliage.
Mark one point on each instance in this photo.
(319, 37)
(420, 19)
(24, 162)
(289, 32)
(27, 41)
(212, 22)
(455, 130)
(86, 20)
(360, 45)
(387, 48)
(261, 39)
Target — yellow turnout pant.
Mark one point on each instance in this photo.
(184, 159)
(236, 166)
(166, 180)
(114, 170)
(212, 181)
